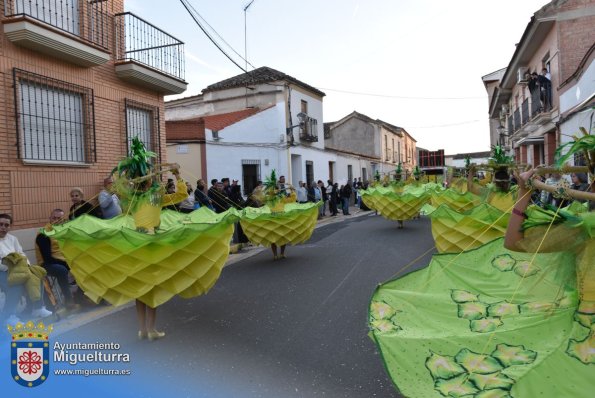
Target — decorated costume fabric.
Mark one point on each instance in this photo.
(490, 323)
(395, 205)
(455, 232)
(293, 225)
(111, 260)
(457, 201)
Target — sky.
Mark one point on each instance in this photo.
(417, 64)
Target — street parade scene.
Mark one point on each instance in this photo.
(171, 226)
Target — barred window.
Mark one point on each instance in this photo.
(54, 119)
(142, 121)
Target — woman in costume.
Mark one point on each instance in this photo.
(281, 221)
(498, 323)
(146, 254)
(463, 221)
(396, 200)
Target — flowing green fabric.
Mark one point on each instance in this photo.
(495, 323)
(293, 225)
(400, 203)
(111, 260)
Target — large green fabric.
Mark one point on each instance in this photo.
(396, 203)
(111, 260)
(488, 323)
(293, 225)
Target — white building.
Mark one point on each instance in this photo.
(282, 133)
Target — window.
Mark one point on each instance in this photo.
(250, 175)
(304, 107)
(62, 14)
(54, 119)
(142, 121)
(349, 173)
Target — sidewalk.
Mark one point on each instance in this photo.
(238, 252)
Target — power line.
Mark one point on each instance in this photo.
(400, 97)
(188, 6)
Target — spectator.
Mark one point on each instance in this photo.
(333, 198)
(311, 192)
(317, 197)
(50, 257)
(302, 193)
(80, 207)
(9, 244)
(545, 86)
(200, 197)
(108, 200)
(218, 197)
(324, 197)
(345, 196)
(580, 182)
(235, 196)
(226, 187)
(187, 205)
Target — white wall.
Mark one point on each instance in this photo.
(578, 93)
(314, 111)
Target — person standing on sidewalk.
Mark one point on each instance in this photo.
(345, 196)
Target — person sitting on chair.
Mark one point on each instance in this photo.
(50, 257)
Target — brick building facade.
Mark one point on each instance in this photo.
(78, 80)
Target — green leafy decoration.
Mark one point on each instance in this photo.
(504, 262)
(496, 393)
(499, 157)
(509, 355)
(463, 296)
(472, 310)
(477, 363)
(443, 366)
(456, 387)
(526, 268)
(492, 381)
(381, 310)
(485, 325)
(584, 145)
(503, 308)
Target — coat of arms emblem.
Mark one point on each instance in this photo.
(29, 353)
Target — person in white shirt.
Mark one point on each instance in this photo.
(302, 193)
(10, 244)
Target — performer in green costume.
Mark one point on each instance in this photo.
(146, 254)
(493, 322)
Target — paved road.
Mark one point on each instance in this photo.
(288, 328)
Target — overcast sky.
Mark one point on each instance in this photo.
(416, 64)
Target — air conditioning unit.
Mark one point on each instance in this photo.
(522, 75)
(215, 135)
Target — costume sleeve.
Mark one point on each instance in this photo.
(176, 197)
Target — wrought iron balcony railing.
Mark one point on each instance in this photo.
(139, 41)
(525, 112)
(309, 131)
(88, 20)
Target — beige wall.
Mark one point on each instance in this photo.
(190, 162)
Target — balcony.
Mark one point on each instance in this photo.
(147, 56)
(72, 30)
(309, 130)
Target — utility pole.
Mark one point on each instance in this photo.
(246, 35)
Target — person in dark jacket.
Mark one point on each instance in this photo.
(200, 196)
(334, 198)
(345, 195)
